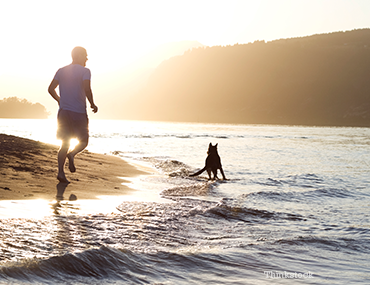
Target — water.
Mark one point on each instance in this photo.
(294, 210)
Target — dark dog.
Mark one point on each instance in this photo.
(213, 162)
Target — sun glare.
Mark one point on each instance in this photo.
(73, 143)
(24, 208)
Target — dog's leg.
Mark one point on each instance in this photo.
(223, 174)
(215, 174)
(209, 171)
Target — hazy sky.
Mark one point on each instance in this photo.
(37, 36)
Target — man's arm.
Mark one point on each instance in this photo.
(89, 95)
(53, 85)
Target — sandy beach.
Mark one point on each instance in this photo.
(28, 170)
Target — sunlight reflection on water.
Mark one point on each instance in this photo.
(38, 209)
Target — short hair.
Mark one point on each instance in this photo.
(78, 51)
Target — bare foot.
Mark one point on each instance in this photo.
(62, 179)
(71, 164)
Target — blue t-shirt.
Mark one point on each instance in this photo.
(71, 88)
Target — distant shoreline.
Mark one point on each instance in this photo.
(221, 123)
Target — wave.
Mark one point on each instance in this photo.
(186, 207)
(227, 210)
(273, 195)
(298, 188)
(95, 263)
(303, 181)
(160, 136)
(170, 167)
(324, 193)
(332, 243)
(300, 196)
(106, 265)
(196, 189)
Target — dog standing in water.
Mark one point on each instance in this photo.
(213, 162)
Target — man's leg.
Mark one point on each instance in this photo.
(79, 147)
(81, 131)
(62, 155)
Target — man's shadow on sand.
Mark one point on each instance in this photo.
(61, 188)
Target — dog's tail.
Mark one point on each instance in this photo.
(198, 173)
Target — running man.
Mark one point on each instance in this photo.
(74, 87)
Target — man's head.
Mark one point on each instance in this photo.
(79, 56)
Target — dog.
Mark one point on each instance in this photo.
(213, 163)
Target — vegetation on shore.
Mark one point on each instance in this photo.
(316, 80)
(14, 107)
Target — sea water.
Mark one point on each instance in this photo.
(294, 210)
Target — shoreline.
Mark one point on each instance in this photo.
(28, 170)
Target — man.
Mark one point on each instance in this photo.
(74, 88)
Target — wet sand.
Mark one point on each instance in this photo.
(28, 170)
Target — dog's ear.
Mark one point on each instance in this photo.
(210, 144)
(216, 144)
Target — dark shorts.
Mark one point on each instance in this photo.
(72, 125)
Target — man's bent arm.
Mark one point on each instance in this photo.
(89, 95)
(53, 85)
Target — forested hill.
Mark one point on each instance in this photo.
(14, 107)
(315, 80)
